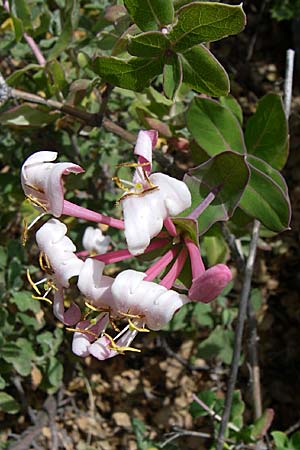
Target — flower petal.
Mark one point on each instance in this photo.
(143, 218)
(95, 286)
(59, 249)
(71, 316)
(153, 302)
(94, 241)
(146, 141)
(175, 193)
(42, 180)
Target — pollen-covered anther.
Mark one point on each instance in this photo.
(50, 285)
(118, 349)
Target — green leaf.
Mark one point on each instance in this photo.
(280, 439)
(214, 127)
(227, 174)
(215, 248)
(294, 441)
(208, 398)
(267, 132)
(188, 226)
(28, 115)
(270, 171)
(237, 409)
(15, 77)
(205, 22)
(202, 314)
(8, 404)
(2, 382)
(25, 302)
(262, 424)
(20, 9)
(57, 75)
(203, 73)
(232, 104)
(12, 354)
(62, 42)
(219, 344)
(265, 200)
(150, 14)
(172, 78)
(148, 45)
(134, 74)
(54, 372)
(18, 28)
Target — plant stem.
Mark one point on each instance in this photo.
(239, 333)
(93, 120)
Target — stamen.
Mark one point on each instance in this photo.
(42, 298)
(131, 316)
(133, 327)
(120, 184)
(36, 202)
(128, 164)
(32, 284)
(80, 330)
(118, 349)
(44, 262)
(25, 233)
(145, 191)
(93, 308)
(36, 220)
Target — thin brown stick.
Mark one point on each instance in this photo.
(239, 334)
(86, 117)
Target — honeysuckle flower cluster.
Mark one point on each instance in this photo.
(137, 301)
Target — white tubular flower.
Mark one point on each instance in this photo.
(148, 204)
(154, 304)
(95, 286)
(94, 241)
(151, 198)
(59, 249)
(42, 181)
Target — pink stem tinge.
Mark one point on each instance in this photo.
(35, 50)
(203, 205)
(173, 273)
(30, 41)
(70, 209)
(121, 255)
(169, 225)
(196, 260)
(159, 265)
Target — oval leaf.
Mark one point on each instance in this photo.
(265, 200)
(8, 404)
(205, 22)
(172, 76)
(267, 132)
(232, 104)
(134, 74)
(148, 45)
(214, 127)
(28, 115)
(203, 72)
(228, 173)
(150, 14)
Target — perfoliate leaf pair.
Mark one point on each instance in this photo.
(246, 168)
